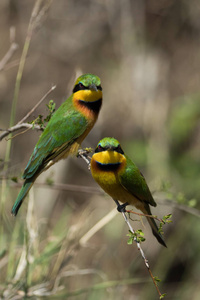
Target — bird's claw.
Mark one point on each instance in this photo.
(122, 207)
(83, 153)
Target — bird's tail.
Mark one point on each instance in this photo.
(154, 227)
(22, 194)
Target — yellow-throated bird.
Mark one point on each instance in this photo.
(122, 180)
(64, 133)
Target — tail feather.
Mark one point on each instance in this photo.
(154, 227)
(22, 194)
(155, 231)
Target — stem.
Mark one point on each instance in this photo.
(20, 72)
(139, 247)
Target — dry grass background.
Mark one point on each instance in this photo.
(147, 56)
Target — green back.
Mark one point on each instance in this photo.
(65, 126)
(133, 181)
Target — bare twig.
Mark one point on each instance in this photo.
(105, 220)
(191, 210)
(37, 104)
(21, 123)
(142, 253)
(84, 154)
(144, 215)
(67, 187)
(135, 239)
(11, 50)
(35, 17)
(17, 127)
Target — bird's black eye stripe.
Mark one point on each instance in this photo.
(99, 87)
(99, 149)
(79, 87)
(119, 149)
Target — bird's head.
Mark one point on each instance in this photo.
(109, 144)
(88, 88)
(109, 152)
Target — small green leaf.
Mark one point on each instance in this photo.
(51, 107)
(14, 179)
(157, 279)
(181, 198)
(89, 150)
(160, 229)
(166, 219)
(49, 181)
(139, 231)
(192, 202)
(138, 235)
(168, 216)
(130, 241)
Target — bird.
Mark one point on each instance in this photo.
(65, 131)
(120, 178)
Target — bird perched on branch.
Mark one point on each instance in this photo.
(121, 179)
(64, 133)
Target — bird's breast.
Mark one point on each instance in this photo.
(106, 168)
(88, 103)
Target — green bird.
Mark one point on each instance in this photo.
(120, 178)
(64, 133)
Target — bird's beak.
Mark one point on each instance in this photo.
(93, 87)
(109, 148)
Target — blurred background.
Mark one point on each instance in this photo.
(147, 56)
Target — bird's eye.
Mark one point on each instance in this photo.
(99, 148)
(99, 87)
(119, 149)
(81, 86)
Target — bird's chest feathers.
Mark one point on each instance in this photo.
(106, 169)
(88, 103)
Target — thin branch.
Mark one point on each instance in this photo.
(142, 253)
(21, 123)
(17, 127)
(12, 64)
(67, 187)
(37, 104)
(144, 215)
(84, 154)
(135, 239)
(11, 50)
(191, 210)
(105, 220)
(31, 27)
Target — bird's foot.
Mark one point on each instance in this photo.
(121, 207)
(83, 153)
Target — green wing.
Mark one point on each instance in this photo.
(65, 126)
(134, 182)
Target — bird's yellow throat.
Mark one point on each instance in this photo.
(88, 95)
(109, 157)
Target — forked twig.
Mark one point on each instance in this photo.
(143, 215)
(11, 50)
(21, 123)
(37, 104)
(17, 127)
(141, 252)
(84, 154)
